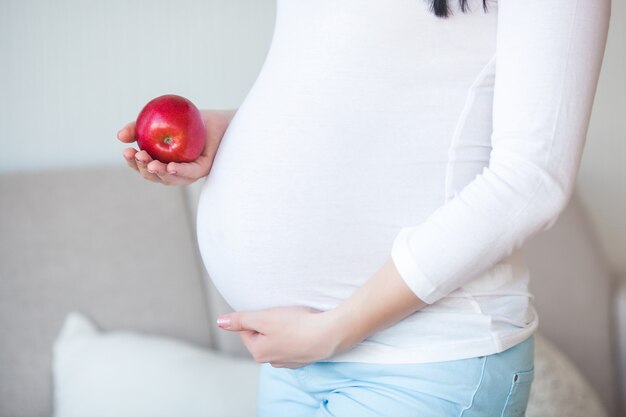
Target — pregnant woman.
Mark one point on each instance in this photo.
(367, 203)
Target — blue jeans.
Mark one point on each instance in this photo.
(496, 385)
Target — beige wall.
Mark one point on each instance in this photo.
(602, 177)
(74, 71)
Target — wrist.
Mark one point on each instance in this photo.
(227, 115)
(343, 330)
(220, 119)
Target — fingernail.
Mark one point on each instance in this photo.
(152, 172)
(139, 161)
(223, 322)
(172, 172)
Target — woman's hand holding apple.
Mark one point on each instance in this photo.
(178, 173)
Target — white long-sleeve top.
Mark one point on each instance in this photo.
(376, 129)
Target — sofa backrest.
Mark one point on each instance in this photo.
(101, 241)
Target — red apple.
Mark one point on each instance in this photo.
(170, 128)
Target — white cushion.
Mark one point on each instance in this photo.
(130, 374)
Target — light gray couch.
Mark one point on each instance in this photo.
(122, 250)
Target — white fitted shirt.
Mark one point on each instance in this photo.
(376, 129)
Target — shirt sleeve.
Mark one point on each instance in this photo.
(548, 60)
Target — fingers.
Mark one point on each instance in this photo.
(129, 156)
(291, 365)
(156, 167)
(260, 353)
(250, 339)
(191, 170)
(165, 174)
(152, 169)
(142, 160)
(127, 133)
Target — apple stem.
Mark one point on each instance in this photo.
(168, 140)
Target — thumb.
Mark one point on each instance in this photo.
(238, 321)
(127, 133)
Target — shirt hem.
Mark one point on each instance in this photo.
(434, 352)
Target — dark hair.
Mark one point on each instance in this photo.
(440, 7)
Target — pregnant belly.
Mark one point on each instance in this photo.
(274, 242)
(297, 216)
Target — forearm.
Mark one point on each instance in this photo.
(216, 121)
(381, 302)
